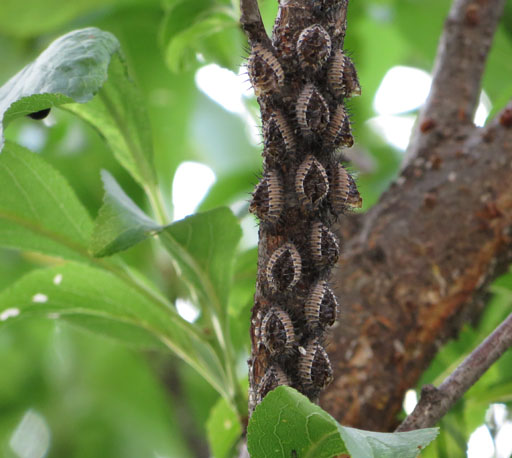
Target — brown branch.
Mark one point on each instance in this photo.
(435, 402)
(418, 268)
(458, 69)
(250, 19)
(299, 105)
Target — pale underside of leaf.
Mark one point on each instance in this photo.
(120, 223)
(286, 422)
(87, 66)
(72, 68)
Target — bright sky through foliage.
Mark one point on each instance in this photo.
(191, 183)
(402, 90)
(480, 444)
(410, 401)
(187, 310)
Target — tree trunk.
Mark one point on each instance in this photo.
(415, 267)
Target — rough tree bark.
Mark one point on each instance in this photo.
(301, 79)
(415, 267)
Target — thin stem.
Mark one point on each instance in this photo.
(157, 203)
(250, 19)
(143, 289)
(215, 315)
(435, 402)
(147, 173)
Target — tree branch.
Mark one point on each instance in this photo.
(435, 402)
(458, 69)
(250, 19)
(419, 267)
(418, 270)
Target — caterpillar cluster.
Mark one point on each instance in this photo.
(303, 190)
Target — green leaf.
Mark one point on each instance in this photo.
(224, 430)
(75, 68)
(119, 114)
(228, 188)
(244, 281)
(120, 223)
(72, 68)
(202, 247)
(201, 27)
(101, 302)
(180, 54)
(37, 18)
(286, 422)
(386, 445)
(38, 209)
(417, 33)
(112, 391)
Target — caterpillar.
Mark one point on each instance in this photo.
(324, 247)
(267, 200)
(284, 268)
(321, 307)
(311, 183)
(274, 377)
(277, 332)
(338, 130)
(313, 47)
(340, 189)
(278, 136)
(312, 111)
(265, 71)
(354, 199)
(315, 369)
(342, 76)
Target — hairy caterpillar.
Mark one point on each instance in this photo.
(315, 368)
(284, 267)
(265, 71)
(324, 247)
(342, 76)
(321, 307)
(274, 377)
(312, 111)
(338, 130)
(277, 332)
(311, 183)
(267, 201)
(313, 47)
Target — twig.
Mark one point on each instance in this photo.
(458, 69)
(250, 19)
(435, 402)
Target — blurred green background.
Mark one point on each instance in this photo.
(79, 395)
